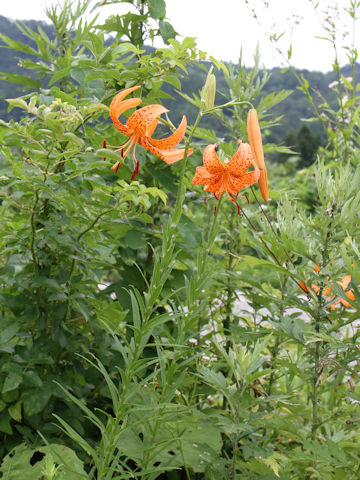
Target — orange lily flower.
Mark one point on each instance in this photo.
(230, 177)
(254, 134)
(139, 128)
(344, 283)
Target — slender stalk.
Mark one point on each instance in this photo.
(267, 246)
(235, 437)
(229, 289)
(231, 103)
(315, 392)
(33, 234)
(275, 350)
(203, 260)
(271, 225)
(73, 263)
(181, 187)
(317, 358)
(210, 237)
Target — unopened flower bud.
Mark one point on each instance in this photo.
(254, 134)
(263, 184)
(209, 90)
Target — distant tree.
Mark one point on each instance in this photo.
(304, 144)
(307, 145)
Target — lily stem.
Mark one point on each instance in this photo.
(271, 225)
(181, 187)
(267, 246)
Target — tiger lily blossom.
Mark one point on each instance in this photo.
(344, 284)
(254, 135)
(230, 177)
(140, 126)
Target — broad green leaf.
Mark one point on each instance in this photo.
(12, 381)
(157, 9)
(28, 463)
(60, 74)
(35, 400)
(15, 411)
(5, 425)
(167, 31)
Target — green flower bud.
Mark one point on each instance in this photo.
(209, 90)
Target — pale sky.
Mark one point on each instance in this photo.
(222, 27)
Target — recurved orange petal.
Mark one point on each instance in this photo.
(211, 161)
(350, 295)
(124, 93)
(244, 181)
(118, 105)
(168, 156)
(204, 177)
(173, 140)
(142, 120)
(327, 290)
(304, 286)
(240, 161)
(173, 155)
(345, 282)
(150, 129)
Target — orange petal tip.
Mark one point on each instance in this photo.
(263, 185)
(304, 287)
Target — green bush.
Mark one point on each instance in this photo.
(143, 336)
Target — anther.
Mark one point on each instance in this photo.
(104, 146)
(136, 171)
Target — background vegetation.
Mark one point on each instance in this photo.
(293, 110)
(142, 336)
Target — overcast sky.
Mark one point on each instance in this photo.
(222, 27)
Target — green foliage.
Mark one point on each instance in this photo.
(292, 110)
(50, 462)
(142, 336)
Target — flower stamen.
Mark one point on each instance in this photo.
(104, 146)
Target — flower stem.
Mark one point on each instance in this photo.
(181, 187)
(33, 234)
(271, 225)
(228, 104)
(240, 386)
(267, 246)
(73, 263)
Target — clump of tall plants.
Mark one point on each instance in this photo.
(175, 311)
